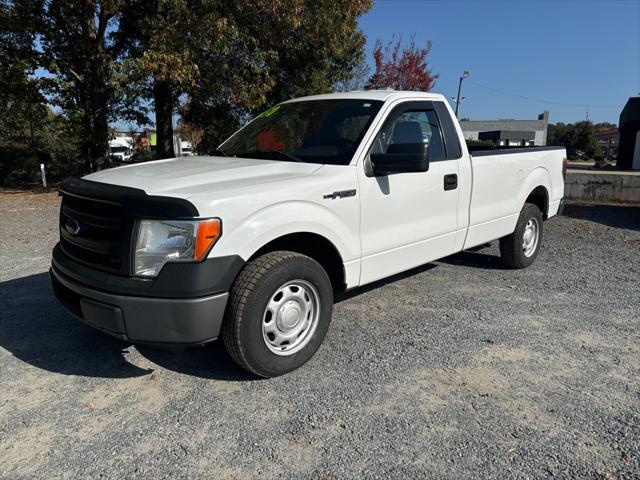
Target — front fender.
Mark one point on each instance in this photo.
(269, 223)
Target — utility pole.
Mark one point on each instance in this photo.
(465, 74)
(587, 116)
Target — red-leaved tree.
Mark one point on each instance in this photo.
(402, 68)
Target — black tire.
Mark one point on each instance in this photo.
(511, 246)
(242, 332)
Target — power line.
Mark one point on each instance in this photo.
(550, 102)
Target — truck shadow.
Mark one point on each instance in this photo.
(475, 258)
(471, 258)
(341, 297)
(616, 216)
(36, 329)
(209, 361)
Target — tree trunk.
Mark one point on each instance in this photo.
(163, 97)
(97, 124)
(100, 137)
(96, 100)
(86, 133)
(100, 131)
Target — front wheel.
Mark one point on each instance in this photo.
(278, 313)
(521, 248)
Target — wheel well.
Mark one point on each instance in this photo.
(314, 246)
(540, 198)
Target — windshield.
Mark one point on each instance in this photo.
(119, 149)
(314, 131)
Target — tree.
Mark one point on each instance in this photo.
(354, 79)
(227, 60)
(320, 49)
(559, 134)
(402, 70)
(21, 132)
(19, 93)
(160, 37)
(584, 138)
(223, 61)
(189, 131)
(30, 133)
(574, 136)
(230, 59)
(268, 51)
(76, 49)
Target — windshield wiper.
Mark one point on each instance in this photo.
(268, 152)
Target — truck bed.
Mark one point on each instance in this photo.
(502, 180)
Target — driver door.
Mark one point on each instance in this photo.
(407, 219)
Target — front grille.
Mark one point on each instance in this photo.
(94, 232)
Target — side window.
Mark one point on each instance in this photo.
(411, 126)
(452, 142)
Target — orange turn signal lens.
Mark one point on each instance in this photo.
(209, 231)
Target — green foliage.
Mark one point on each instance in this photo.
(268, 51)
(30, 133)
(354, 79)
(574, 136)
(599, 156)
(43, 137)
(584, 138)
(81, 55)
(216, 61)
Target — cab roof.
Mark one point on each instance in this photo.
(381, 95)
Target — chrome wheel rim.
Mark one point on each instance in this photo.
(291, 317)
(530, 237)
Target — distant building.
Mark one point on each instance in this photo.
(507, 132)
(608, 141)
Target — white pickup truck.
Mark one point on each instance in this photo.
(315, 196)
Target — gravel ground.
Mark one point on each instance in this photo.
(458, 369)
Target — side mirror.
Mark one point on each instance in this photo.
(401, 158)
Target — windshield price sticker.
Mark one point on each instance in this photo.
(271, 111)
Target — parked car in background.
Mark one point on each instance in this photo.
(315, 196)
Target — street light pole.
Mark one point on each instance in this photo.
(464, 75)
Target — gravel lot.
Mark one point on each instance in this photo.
(458, 369)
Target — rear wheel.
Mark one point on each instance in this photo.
(521, 248)
(278, 314)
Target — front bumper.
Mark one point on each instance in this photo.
(183, 321)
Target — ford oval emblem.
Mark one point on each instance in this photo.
(72, 226)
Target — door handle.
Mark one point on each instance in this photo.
(451, 181)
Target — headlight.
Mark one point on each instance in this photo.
(162, 241)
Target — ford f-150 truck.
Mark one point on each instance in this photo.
(315, 196)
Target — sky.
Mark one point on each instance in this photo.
(563, 52)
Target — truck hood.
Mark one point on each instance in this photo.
(185, 177)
